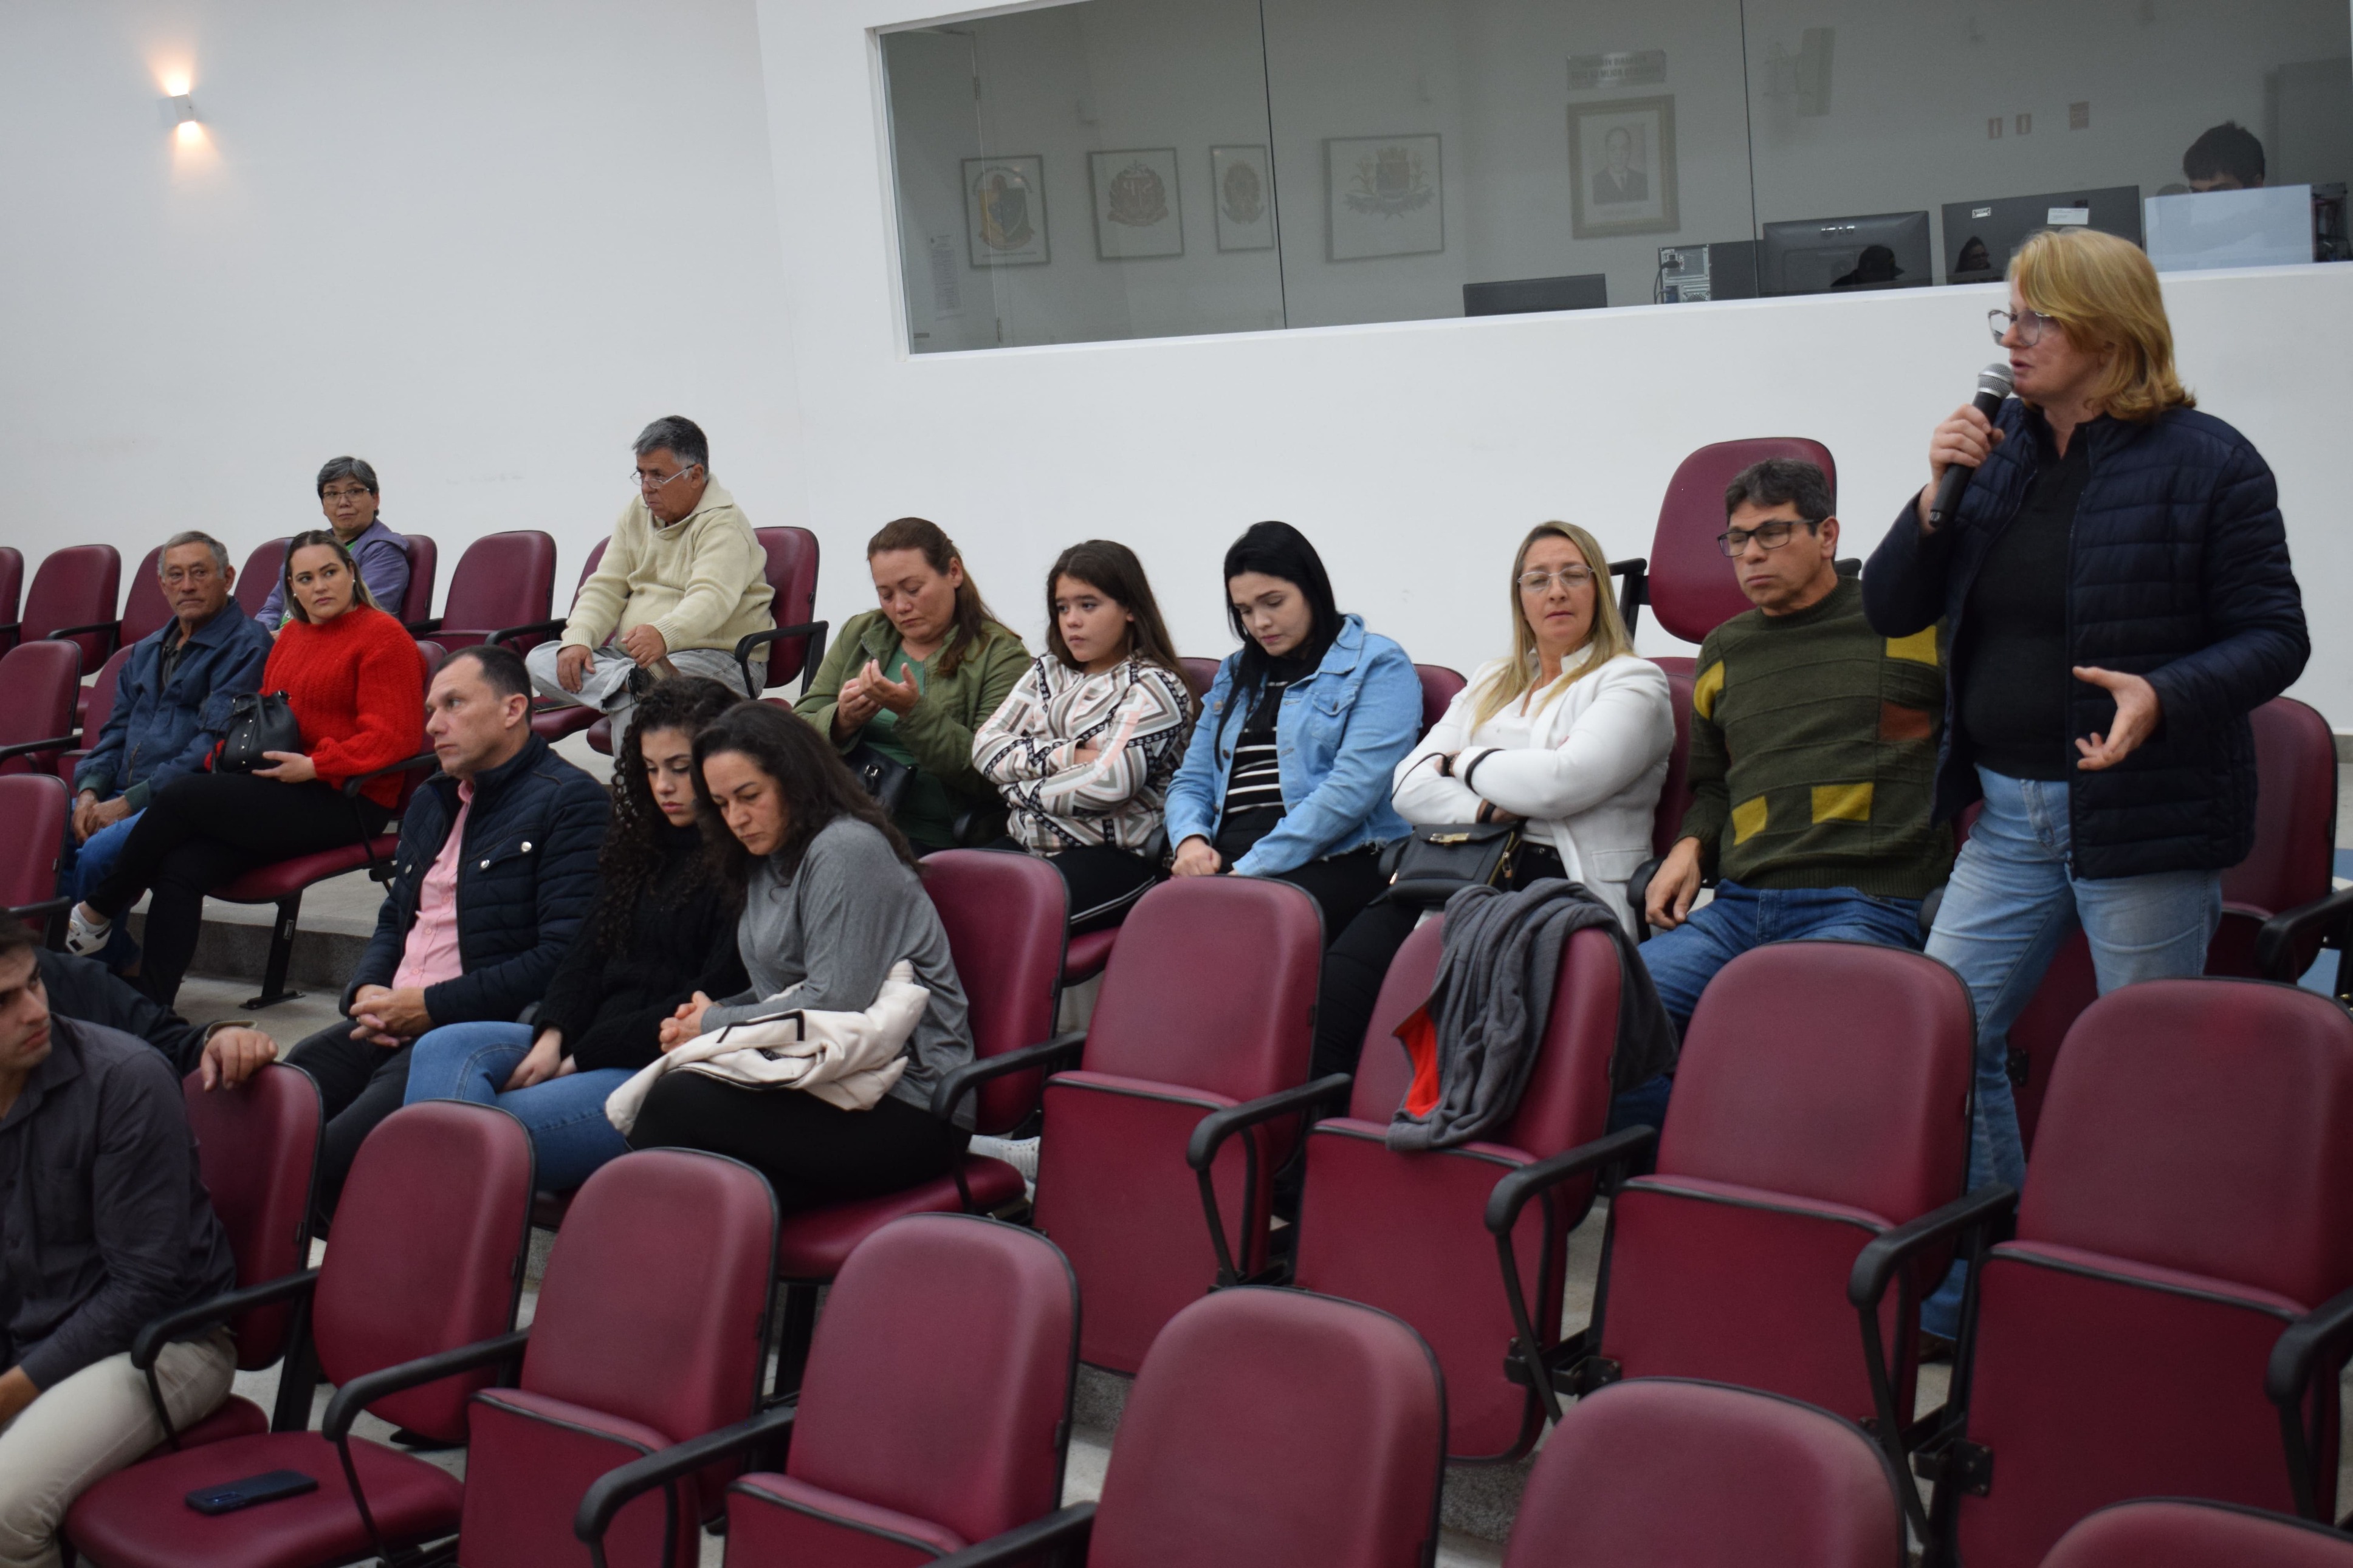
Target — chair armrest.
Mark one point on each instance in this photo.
(2296, 1359)
(406, 765)
(1513, 1193)
(45, 907)
(368, 1387)
(115, 626)
(611, 1491)
(504, 635)
(812, 630)
(26, 748)
(1047, 1055)
(1059, 1531)
(2276, 943)
(1635, 591)
(1211, 1131)
(424, 628)
(1876, 1264)
(159, 1331)
(1638, 892)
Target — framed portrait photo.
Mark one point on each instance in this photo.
(1136, 210)
(1385, 196)
(1241, 188)
(1622, 167)
(1004, 211)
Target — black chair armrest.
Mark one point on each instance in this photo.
(154, 1334)
(114, 626)
(368, 1387)
(1210, 1133)
(611, 1491)
(1635, 591)
(1514, 1192)
(26, 748)
(406, 765)
(1058, 1532)
(812, 630)
(504, 635)
(2302, 1352)
(45, 907)
(1638, 891)
(2281, 935)
(11, 628)
(424, 628)
(1060, 1050)
(1876, 1265)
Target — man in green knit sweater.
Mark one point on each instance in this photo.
(1813, 755)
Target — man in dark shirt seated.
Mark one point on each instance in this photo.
(104, 1226)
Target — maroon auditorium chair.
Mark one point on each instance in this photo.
(33, 816)
(503, 581)
(283, 882)
(1210, 1002)
(1267, 1429)
(1665, 1470)
(1406, 1232)
(2180, 1533)
(1685, 580)
(427, 1265)
(551, 720)
(2191, 1196)
(38, 684)
(257, 1148)
(1004, 917)
(1440, 687)
(144, 607)
(96, 707)
(262, 572)
(899, 1453)
(1199, 674)
(1788, 1147)
(424, 567)
(12, 589)
(73, 596)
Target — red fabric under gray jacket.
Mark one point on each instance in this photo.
(2177, 572)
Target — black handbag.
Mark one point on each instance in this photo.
(259, 722)
(884, 778)
(1433, 864)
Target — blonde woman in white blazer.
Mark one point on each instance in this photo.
(1568, 736)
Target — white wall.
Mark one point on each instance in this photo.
(480, 246)
(1416, 454)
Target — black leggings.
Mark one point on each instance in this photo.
(1103, 882)
(360, 1084)
(205, 829)
(812, 1153)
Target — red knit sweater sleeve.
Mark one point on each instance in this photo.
(359, 693)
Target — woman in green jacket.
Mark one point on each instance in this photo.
(914, 679)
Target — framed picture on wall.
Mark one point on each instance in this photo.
(1136, 211)
(1622, 167)
(1385, 195)
(1004, 211)
(1241, 188)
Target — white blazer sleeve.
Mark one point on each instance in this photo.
(1419, 793)
(1626, 728)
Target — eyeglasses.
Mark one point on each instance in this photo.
(1771, 535)
(653, 481)
(2030, 325)
(351, 495)
(1569, 577)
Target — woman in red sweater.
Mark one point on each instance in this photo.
(355, 681)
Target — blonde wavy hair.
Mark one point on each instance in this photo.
(2103, 294)
(1609, 638)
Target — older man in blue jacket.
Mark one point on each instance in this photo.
(171, 703)
(495, 871)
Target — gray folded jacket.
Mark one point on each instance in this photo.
(1493, 999)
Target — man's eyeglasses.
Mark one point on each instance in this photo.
(646, 481)
(1770, 535)
(2030, 325)
(1569, 577)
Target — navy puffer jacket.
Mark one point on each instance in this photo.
(525, 881)
(2177, 572)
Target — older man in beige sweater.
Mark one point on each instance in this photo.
(682, 581)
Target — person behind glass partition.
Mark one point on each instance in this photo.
(2115, 589)
(2226, 158)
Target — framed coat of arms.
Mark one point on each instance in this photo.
(1242, 187)
(1004, 211)
(1136, 210)
(1386, 196)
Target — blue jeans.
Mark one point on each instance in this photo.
(566, 1116)
(84, 866)
(1682, 961)
(2012, 901)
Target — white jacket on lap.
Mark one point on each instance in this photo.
(1584, 768)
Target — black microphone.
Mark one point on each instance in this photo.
(1993, 386)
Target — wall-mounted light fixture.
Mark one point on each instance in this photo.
(180, 116)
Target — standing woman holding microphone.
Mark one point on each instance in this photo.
(2116, 589)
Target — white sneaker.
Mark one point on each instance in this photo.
(83, 938)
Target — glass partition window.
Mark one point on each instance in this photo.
(1115, 168)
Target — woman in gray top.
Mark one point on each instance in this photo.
(830, 903)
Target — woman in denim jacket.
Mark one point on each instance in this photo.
(1288, 772)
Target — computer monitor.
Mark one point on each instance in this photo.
(1835, 255)
(1522, 295)
(1981, 236)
